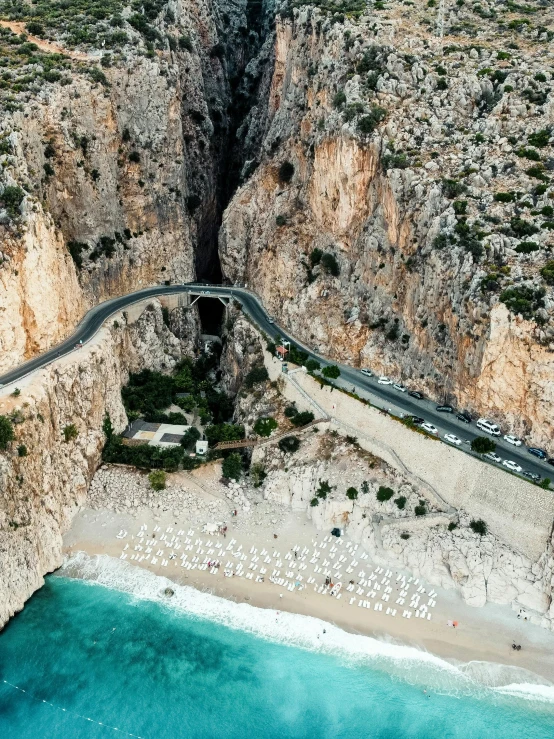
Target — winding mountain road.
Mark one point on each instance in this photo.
(380, 395)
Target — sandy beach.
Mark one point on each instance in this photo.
(482, 635)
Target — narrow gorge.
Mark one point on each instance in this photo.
(385, 192)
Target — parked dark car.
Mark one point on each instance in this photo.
(416, 394)
(416, 419)
(531, 475)
(463, 416)
(444, 409)
(550, 460)
(540, 453)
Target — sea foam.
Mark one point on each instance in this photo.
(407, 663)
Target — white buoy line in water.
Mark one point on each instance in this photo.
(72, 713)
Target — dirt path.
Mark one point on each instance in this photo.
(50, 47)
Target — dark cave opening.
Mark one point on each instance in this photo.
(211, 311)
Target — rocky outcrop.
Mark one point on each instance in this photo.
(43, 478)
(120, 154)
(482, 568)
(409, 226)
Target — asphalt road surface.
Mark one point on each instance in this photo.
(381, 395)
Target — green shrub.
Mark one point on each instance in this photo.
(6, 432)
(521, 227)
(478, 527)
(545, 483)
(323, 490)
(401, 502)
(289, 444)
(256, 375)
(523, 299)
(526, 247)
(442, 84)
(232, 466)
(22, 450)
(314, 502)
(547, 272)
(286, 171)
(332, 371)
(540, 138)
(190, 437)
(453, 188)
(257, 474)
(384, 494)
(290, 411)
(11, 198)
(280, 220)
(525, 153)
(368, 123)
(483, 445)
(264, 426)
(157, 480)
(420, 510)
(185, 43)
(97, 75)
(315, 257)
(70, 432)
(134, 157)
(339, 99)
(404, 535)
(223, 432)
(312, 365)
(351, 493)
(505, 197)
(452, 525)
(303, 418)
(330, 264)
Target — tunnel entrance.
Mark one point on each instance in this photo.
(211, 313)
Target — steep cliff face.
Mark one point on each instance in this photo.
(401, 212)
(117, 153)
(42, 490)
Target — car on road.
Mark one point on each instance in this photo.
(531, 475)
(535, 451)
(384, 380)
(367, 373)
(550, 460)
(514, 466)
(444, 409)
(430, 428)
(398, 386)
(271, 319)
(416, 394)
(493, 457)
(512, 439)
(417, 420)
(452, 439)
(488, 427)
(464, 417)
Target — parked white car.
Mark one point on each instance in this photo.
(384, 380)
(511, 465)
(367, 373)
(399, 387)
(451, 439)
(512, 439)
(493, 457)
(429, 428)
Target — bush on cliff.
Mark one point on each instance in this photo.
(157, 480)
(6, 432)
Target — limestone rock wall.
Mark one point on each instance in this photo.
(41, 491)
(410, 168)
(123, 167)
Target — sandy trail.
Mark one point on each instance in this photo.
(49, 47)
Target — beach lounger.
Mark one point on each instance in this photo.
(428, 617)
(123, 556)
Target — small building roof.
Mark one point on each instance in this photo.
(281, 350)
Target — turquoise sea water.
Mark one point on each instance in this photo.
(160, 672)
